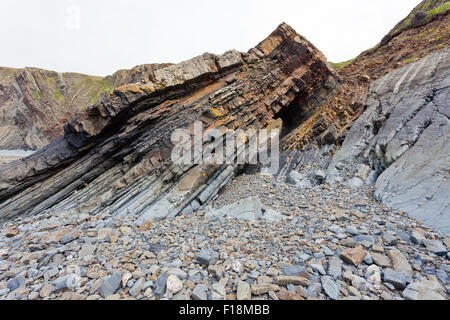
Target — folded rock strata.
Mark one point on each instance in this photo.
(115, 156)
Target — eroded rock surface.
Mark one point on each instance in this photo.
(35, 104)
(115, 156)
(404, 137)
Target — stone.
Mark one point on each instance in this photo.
(424, 290)
(389, 238)
(352, 230)
(71, 236)
(216, 271)
(363, 172)
(330, 288)
(33, 296)
(355, 183)
(250, 209)
(218, 292)
(296, 178)
(295, 270)
(417, 238)
(160, 285)
(87, 250)
(137, 287)
(200, 292)
(335, 267)
(398, 279)
(174, 284)
(295, 280)
(436, 247)
(368, 259)
(263, 288)
(10, 233)
(399, 261)
(110, 285)
(272, 216)
(318, 268)
(359, 283)
(354, 256)
(146, 225)
(335, 229)
(125, 277)
(182, 275)
(265, 279)
(16, 282)
(284, 294)
(314, 289)
(45, 290)
(447, 242)
(362, 238)
(207, 257)
(237, 266)
(103, 234)
(381, 260)
(377, 249)
(243, 291)
(72, 296)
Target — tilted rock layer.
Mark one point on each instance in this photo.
(115, 156)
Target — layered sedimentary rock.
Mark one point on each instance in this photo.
(115, 156)
(35, 104)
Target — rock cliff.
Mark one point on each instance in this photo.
(403, 137)
(390, 114)
(115, 155)
(35, 104)
(85, 216)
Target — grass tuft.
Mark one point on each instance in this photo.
(442, 8)
(338, 65)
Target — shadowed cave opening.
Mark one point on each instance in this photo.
(292, 116)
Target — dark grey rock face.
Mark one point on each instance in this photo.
(404, 135)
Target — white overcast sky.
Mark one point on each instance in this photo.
(108, 35)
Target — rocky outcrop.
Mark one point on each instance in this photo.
(35, 104)
(115, 156)
(341, 119)
(404, 137)
(339, 105)
(423, 13)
